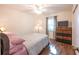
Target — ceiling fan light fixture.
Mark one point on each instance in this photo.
(39, 9)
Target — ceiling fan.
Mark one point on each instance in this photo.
(39, 8)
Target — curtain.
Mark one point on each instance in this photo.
(51, 24)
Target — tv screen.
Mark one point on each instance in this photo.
(62, 23)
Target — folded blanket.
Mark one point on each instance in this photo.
(14, 39)
(16, 44)
(16, 48)
(11, 46)
(21, 52)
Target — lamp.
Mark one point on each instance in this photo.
(38, 28)
(2, 29)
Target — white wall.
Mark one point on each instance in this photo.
(23, 22)
(16, 21)
(75, 29)
(65, 15)
(52, 35)
(41, 19)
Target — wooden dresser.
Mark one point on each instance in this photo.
(64, 34)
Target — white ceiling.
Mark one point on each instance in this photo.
(50, 8)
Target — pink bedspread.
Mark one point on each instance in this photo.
(16, 44)
(18, 50)
(21, 52)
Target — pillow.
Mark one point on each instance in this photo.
(9, 34)
(16, 40)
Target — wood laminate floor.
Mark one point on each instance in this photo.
(57, 48)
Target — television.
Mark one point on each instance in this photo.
(62, 24)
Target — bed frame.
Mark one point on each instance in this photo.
(4, 44)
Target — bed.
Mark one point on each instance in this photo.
(31, 44)
(35, 43)
(12, 44)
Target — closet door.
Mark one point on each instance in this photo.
(75, 27)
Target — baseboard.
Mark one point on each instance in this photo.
(76, 49)
(76, 52)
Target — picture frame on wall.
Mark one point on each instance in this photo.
(63, 23)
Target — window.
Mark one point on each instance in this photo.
(51, 24)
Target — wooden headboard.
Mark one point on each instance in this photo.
(4, 44)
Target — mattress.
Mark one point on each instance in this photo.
(35, 42)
